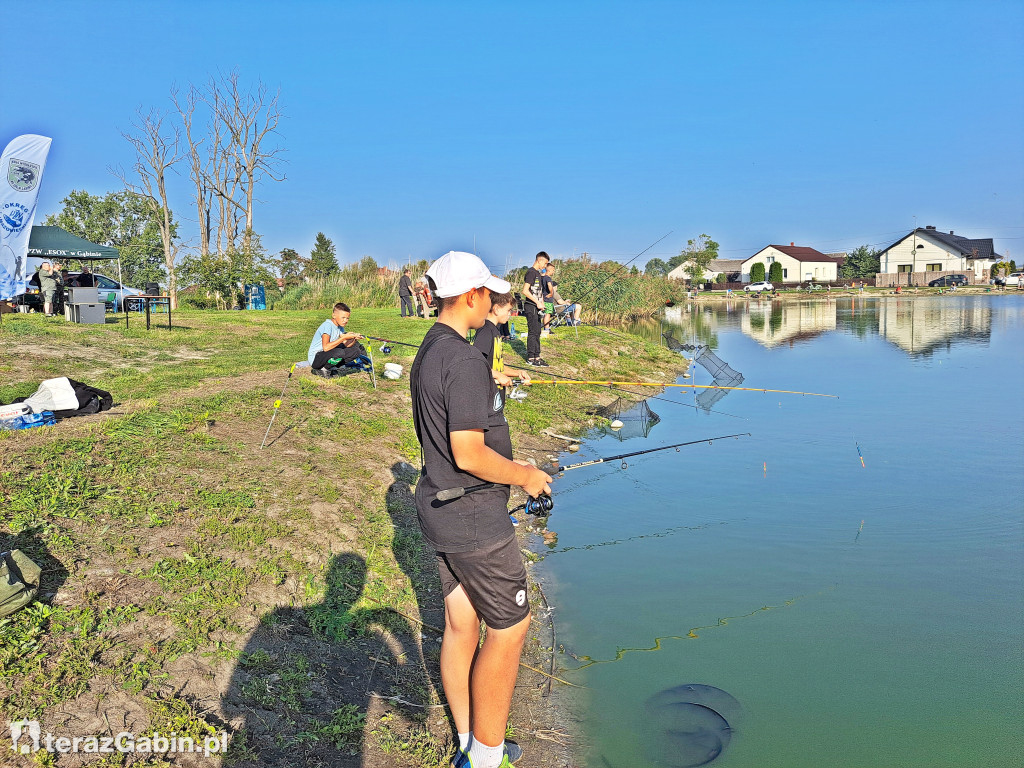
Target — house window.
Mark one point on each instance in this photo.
(934, 268)
(785, 273)
(904, 267)
(771, 259)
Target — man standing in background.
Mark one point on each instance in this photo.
(405, 293)
(533, 308)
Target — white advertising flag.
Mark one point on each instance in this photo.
(21, 169)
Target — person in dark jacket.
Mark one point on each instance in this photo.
(405, 294)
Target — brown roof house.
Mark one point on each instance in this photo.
(799, 264)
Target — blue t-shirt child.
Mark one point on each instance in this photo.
(316, 346)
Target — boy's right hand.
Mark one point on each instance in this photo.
(537, 481)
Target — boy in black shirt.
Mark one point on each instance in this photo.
(460, 423)
(533, 308)
(488, 339)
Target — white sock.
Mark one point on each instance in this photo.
(464, 739)
(484, 756)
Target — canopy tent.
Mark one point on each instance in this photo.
(57, 243)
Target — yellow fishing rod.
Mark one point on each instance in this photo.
(562, 382)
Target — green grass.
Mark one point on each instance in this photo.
(167, 536)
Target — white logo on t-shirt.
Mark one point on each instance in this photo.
(521, 597)
(497, 401)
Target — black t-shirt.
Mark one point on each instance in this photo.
(405, 286)
(488, 341)
(533, 279)
(452, 390)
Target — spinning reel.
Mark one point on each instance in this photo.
(540, 506)
(518, 393)
(385, 349)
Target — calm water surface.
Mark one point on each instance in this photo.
(860, 615)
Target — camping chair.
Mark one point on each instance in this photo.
(110, 301)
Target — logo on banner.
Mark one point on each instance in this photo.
(22, 175)
(14, 217)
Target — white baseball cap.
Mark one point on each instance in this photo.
(458, 272)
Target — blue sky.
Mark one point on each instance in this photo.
(415, 128)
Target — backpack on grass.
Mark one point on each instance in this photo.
(19, 581)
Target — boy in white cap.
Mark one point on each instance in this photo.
(464, 437)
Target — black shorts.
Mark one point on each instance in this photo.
(494, 577)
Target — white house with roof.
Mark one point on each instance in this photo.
(714, 269)
(799, 264)
(925, 251)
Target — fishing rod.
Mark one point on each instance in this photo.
(680, 386)
(623, 456)
(621, 267)
(543, 504)
(386, 349)
(277, 404)
(519, 394)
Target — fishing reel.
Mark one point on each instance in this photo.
(540, 506)
(518, 393)
(385, 349)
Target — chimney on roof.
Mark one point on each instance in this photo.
(791, 242)
(930, 227)
(951, 231)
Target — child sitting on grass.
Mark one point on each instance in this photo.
(332, 348)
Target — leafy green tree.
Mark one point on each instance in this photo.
(698, 255)
(323, 261)
(634, 271)
(291, 266)
(757, 272)
(862, 261)
(223, 278)
(656, 268)
(721, 277)
(122, 220)
(775, 273)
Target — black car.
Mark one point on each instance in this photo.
(948, 280)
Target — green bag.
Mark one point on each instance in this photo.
(19, 581)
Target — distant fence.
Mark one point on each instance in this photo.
(892, 279)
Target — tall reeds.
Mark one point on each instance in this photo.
(354, 285)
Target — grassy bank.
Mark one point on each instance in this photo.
(194, 583)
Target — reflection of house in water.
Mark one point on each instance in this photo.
(920, 326)
(773, 323)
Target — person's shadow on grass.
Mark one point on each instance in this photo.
(304, 682)
(419, 565)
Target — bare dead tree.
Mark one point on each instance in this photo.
(251, 118)
(156, 152)
(200, 162)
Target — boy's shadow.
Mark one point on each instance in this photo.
(420, 567)
(306, 679)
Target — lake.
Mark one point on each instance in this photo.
(847, 613)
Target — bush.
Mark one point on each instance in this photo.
(721, 278)
(775, 273)
(757, 273)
